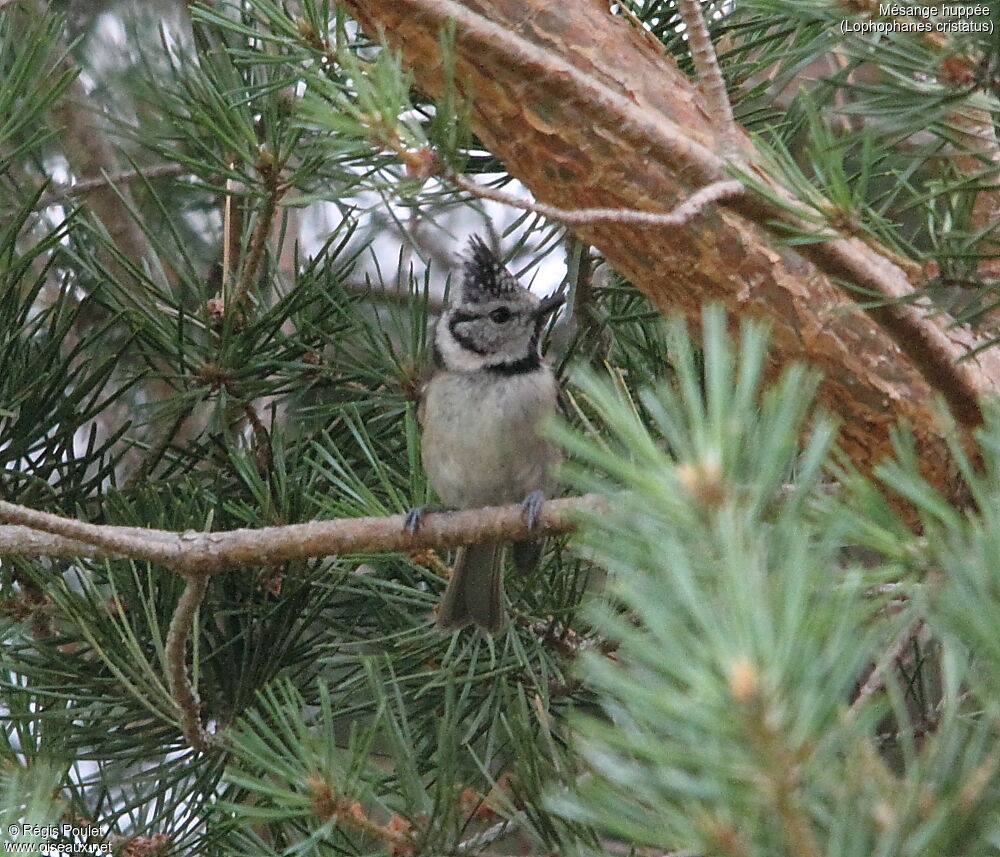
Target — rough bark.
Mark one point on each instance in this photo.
(573, 149)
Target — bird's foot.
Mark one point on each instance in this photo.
(531, 508)
(415, 517)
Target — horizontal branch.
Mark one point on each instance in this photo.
(24, 541)
(212, 552)
(62, 193)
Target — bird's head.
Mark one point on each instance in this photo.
(493, 322)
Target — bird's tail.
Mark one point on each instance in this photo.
(526, 555)
(475, 591)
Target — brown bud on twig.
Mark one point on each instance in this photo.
(216, 309)
(421, 164)
(703, 480)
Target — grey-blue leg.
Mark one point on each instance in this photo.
(531, 508)
(416, 516)
(526, 553)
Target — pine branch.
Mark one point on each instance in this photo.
(670, 139)
(192, 552)
(780, 765)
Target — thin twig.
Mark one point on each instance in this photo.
(777, 777)
(209, 553)
(261, 441)
(713, 86)
(61, 194)
(580, 273)
(487, 837)
(624, 11)
(155, 452)
(435, 303)
(175, 652)
(583, 317)
(678, 216)
(269, 172)
(230, 237)
(876, 681)
(780, 783)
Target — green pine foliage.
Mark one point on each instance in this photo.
(680, 675)
(745, 629)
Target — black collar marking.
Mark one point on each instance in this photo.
(531, 363)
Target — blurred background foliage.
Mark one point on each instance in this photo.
(224, 232)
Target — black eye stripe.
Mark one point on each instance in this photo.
(459, 316)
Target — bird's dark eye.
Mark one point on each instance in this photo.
(500, 315)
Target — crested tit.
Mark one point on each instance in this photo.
(481, 412)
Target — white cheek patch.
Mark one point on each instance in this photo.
(455, 357)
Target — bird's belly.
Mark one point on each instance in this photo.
(481, 443)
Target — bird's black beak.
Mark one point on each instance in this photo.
(549, 305)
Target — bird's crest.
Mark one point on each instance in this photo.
(485, 277)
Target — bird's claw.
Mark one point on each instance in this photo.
(531, 508)
(414, 517)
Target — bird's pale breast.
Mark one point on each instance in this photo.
(480, 436)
